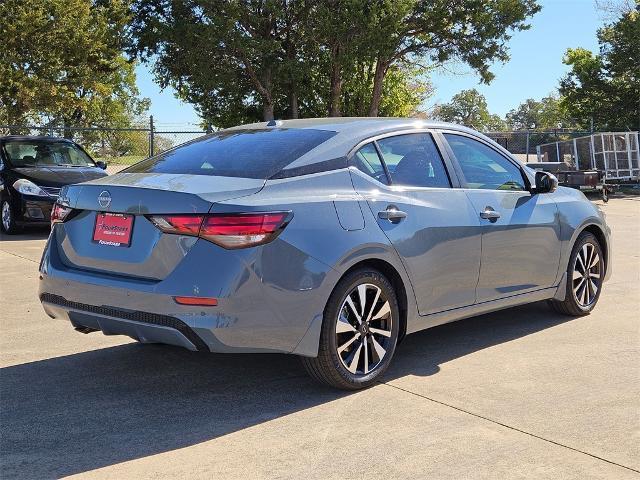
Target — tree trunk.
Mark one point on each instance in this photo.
(267, 98)
(267, 111)
(293, 104)
(335, 93)
(378, 79)
(262, 87)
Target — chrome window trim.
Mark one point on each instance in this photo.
(453, 175)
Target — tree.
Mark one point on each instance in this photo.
(244, 60)
(405, 89)
(546, 114)
(231, 59)
(469, 107)
(62, 60)
(474, 32)
(603, 89)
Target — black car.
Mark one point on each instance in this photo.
(32, 172)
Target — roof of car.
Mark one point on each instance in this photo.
(350, 131)
(27, 138)
(346, 124)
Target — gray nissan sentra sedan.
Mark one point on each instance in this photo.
(326, 238)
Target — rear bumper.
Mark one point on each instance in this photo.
(142, 326)
(260, 308)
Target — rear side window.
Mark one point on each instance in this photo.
(368, 161)
(414, 160)
(238, 153)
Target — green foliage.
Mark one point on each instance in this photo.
(404, 90)
(546, 114)
(243, 61)
(469, 107)
(605, 88)
(61, 61)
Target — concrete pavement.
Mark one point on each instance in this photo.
(522, 393)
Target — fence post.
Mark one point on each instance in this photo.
(151, 136)
(527, 158)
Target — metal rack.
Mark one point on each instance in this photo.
(615, 154)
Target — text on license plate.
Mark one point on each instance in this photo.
(113, 229)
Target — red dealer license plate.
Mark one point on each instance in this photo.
(113, 229)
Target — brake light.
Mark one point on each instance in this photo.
(180, 224)
(59, 213)
(229, 230)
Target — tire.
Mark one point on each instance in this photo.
(578, 301)
(348, 369)
(8, 218)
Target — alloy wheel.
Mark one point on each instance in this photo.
(587, 272)
(363, 329)
(6, 215)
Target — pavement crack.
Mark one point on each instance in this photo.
(510, 427)
(20, 256)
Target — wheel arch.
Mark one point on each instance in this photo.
(597, 232)
(396, 280)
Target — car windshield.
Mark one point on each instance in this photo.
(237, 153)
(39, 153)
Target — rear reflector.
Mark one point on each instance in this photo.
(229, 230)
(200, 301)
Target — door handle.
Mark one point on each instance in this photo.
(392, 214)
(490, 214)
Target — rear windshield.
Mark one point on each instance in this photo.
(42, 153)
(238, 153)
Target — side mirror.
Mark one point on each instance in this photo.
(101, 164)
(545, 182)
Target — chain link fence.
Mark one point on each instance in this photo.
(523, 144)
(118, 147)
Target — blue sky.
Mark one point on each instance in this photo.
(533, 71)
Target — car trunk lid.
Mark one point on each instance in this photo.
(150, 254)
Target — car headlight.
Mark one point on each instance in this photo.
(27, 187)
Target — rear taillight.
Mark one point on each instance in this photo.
(229, 230)
(59, 213)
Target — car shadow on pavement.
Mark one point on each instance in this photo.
(76, 413)
(30, 233)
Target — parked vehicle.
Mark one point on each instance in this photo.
(32, 172)
(326, 238)
(584, 180)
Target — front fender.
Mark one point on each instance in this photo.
(577, 213)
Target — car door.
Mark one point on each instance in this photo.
(520, 230)
(431, 225)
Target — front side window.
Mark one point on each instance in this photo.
(413, 160)
(237, 153)
(368, 161)
(483, 167)
(42, 153)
